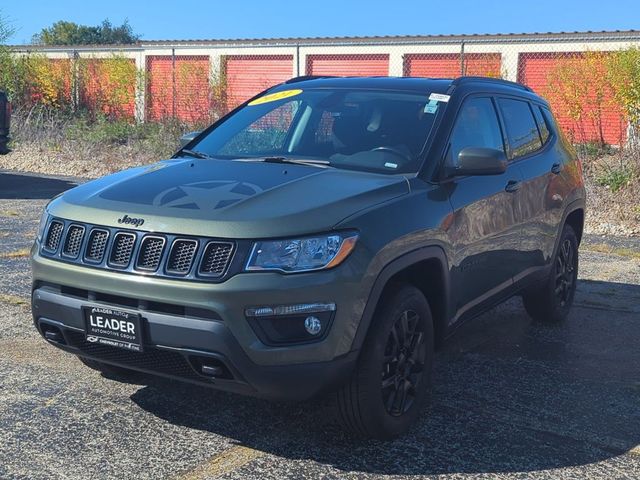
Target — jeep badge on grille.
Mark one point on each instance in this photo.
(127, 220)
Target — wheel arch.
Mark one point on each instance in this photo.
(575, 218)
(427, 269)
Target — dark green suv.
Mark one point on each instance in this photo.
(324, 237)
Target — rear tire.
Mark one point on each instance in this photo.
(392, 381)
(110, 371)
(552, 300)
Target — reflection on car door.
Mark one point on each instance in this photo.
(485, 235)
(540, 200)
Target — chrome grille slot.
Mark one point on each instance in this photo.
(181, 256)
(122, 249)
(73, 241)
(97, 245)
(54, 235)
(150, 253)
(215, 259)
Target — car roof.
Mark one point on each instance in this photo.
(379, 83)
(415, 84)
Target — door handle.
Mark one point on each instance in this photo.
(512, 186)
(556, 168)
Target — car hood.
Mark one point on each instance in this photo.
(228, 199)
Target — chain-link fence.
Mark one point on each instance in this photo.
(589, 79)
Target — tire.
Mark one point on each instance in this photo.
(371, 403)
(110, 371)
(552, 300)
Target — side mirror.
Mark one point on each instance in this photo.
(480, 161)
(187, 137)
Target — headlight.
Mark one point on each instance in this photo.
(43, 223)
(302, 254)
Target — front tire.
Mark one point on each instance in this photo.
(392, 381)
(552, 300)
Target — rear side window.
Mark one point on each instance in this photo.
(476, 126)
(522, 131)
(543, 127)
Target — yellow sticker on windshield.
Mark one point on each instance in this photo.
(272, 97)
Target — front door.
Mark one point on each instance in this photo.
(485, 235)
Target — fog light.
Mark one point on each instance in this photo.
(312, 325)
(291, 324)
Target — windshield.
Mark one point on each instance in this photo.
(380, 131)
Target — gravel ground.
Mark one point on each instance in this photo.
(512, 399)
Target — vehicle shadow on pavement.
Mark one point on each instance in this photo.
(31, 186)
(510, 395)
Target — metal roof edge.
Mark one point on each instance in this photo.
(535, 37)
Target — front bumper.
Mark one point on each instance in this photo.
(209, 327)
(239, 374)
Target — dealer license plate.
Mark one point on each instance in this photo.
(116, 328)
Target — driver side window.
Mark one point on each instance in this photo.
(476, 126)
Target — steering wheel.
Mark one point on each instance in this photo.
(394, 151)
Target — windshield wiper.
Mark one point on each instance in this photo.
(195, 154)
(298, 161)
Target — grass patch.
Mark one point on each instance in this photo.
(23, 252)
(13, 300)
(593, 149)
(602, 248)
(615, 178)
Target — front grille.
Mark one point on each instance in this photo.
(54, 235)
(216, 258)
(122, 249)
(150, 253)
(135, 252)
(181, 256)
(73, 241)
(97, 245)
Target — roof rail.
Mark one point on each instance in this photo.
(302, 78)
(462, 80)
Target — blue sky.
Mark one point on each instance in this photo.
(184, 19)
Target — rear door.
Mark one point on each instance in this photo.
(539, 206)
(485, 234)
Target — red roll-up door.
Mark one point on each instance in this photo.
(178, 88)
(437, 65)
(536, 71)
(248, 75)
(102, 90)
(348, 65)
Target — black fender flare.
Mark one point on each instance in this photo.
(578, 204)
(392, 268)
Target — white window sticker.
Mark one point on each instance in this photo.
(439, 97)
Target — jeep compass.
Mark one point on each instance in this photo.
(325, 237)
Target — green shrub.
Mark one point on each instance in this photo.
(616, 177)
(591, 150)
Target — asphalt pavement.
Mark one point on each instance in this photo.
(512, 398)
